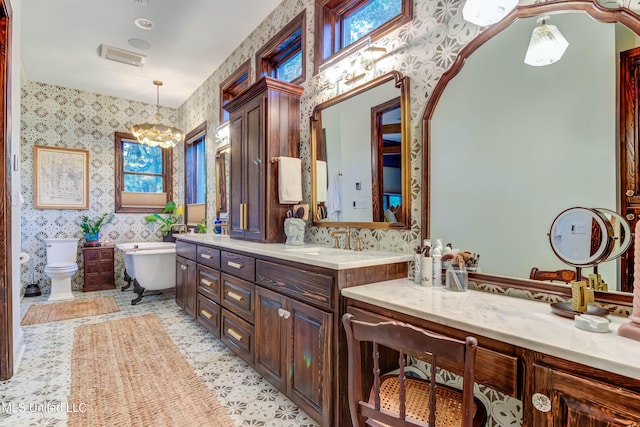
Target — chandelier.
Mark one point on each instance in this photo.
(157, 134)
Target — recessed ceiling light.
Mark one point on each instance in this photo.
(143, 23)
(139, 44)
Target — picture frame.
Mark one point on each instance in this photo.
(61, 178)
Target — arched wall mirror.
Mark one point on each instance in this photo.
(223, 160)
(360, 156)
(508, 145)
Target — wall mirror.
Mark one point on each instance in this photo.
(195, 177)
(510, 145)
(223, 154)
(360, 156)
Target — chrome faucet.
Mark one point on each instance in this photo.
(336, 235)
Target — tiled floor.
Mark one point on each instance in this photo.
(34, 395)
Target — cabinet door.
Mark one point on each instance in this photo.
(255, 164)
(270, 340)
(309, 349)
(580, 402)
(236, 133)
(181, 279)
(190, 287)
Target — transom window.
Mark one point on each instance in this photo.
(283, 56)
(233, 86)
(143, 180)
(346, 24)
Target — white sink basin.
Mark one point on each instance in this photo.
(314, 250)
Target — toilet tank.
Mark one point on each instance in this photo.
(62, 250)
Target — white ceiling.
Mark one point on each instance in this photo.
(60, 42)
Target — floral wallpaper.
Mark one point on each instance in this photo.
(422, 50)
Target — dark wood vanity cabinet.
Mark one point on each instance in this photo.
(264, 123)
(185, 284)
(293, 349)
(281, 317)
(563, 399)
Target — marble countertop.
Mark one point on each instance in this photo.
(321, 256)
(525, 323)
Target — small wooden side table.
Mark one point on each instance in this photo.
(98, 268)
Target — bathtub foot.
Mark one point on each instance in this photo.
(138, 290)
(127, 279)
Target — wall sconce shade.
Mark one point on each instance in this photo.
(222, 133)
(487, 12)
(157, 134)
(547, 44)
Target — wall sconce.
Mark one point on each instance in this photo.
(371, 55)
(487, 12)
(547, 44)
(330, 78)
(222, 133)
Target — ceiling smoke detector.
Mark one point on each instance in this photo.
(120, 55)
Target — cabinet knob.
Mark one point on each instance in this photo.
(541, 402)
(630, 216)
(184, 267)
(280, 312)
(286, 314)
(630, 193)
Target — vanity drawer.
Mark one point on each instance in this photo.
(237, 296)
(496, 370)
(208, 315)
(186, 250)
(208, 282)
(297, 283)
(238, 265)
(238, 335)
(209, 256)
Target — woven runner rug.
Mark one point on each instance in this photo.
(128, 372)
(51, 312)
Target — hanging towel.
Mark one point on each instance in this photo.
(333, 199)
(290, 180)
(321, 180)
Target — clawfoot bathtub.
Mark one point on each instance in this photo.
(151, 266)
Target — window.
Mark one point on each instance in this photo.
(283, 56)
(347, 24)
(233, 86)
(143, 180)
(195, 166)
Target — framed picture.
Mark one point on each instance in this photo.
(61, 178)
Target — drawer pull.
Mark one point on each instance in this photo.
(206, 256)
(234, 296)
(234, 334)
(541, 402)
(234, 264)
(206, 282)
(206, 314)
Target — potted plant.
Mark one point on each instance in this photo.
(202, 226)
(92, 228)
(165, 223)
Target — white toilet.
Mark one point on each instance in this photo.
(61, 266)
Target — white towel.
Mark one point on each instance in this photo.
(290, 180)
(333, 199)
(321, 180)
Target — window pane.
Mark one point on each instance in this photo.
(290, 69)
(370, 16)
(142, 183)
(196, 172)
(141, 158)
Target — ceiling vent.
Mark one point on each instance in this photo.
(121, 55)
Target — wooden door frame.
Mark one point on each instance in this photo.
(6, 282)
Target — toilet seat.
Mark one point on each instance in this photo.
(60, 265)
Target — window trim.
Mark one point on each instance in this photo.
(329, 15)
(268, 51)
(231, 86)
(200, 130)
(167, 172)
